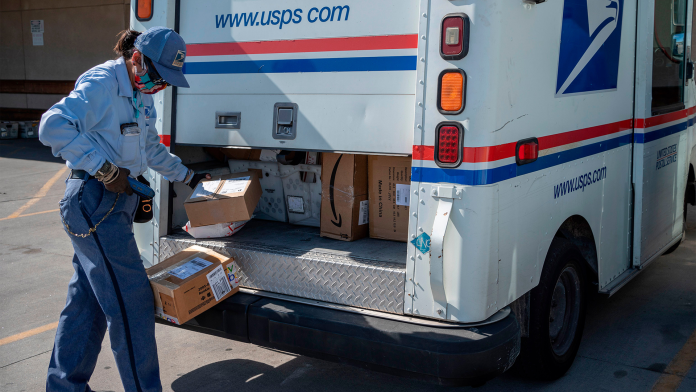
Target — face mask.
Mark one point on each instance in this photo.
(149, 81)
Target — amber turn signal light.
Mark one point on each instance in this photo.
(451, 98)
(143, 10)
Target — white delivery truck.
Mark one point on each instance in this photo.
(552, 155)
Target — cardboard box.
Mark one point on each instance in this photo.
(191, 282)
(228, 198)
(389, 181)
(344, 204)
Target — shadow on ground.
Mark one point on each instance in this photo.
(29, 149)
(305, 374)
(299, 374)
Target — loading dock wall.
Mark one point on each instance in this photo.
(78, 34)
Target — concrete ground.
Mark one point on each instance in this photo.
(632, 340)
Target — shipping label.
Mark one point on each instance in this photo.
(364, 209)
(218, 282)
(402, 194)
(184, 271)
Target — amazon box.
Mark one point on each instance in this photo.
(389, 181)
(344, 205)
(223, 199)
(191, 282)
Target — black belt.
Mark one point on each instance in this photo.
(80, 175)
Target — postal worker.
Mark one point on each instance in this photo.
(105, 131)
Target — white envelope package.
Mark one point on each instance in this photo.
(214, 231)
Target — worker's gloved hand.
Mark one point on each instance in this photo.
(120, 184)
(197, 178)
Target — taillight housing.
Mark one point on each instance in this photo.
(143, 9)
(527, 151)
(454, 37)
(449, 138)
(451, 96)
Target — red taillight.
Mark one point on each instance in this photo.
(448, 145)
(454, 42)
(527, 151)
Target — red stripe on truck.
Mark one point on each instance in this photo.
(409, 41)
(165, 139)
(664, 118)
(502, 151)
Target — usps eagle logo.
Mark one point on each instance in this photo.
(590, 46)
(179, 59)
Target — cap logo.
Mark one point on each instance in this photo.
(179, 59)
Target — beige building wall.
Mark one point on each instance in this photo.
(78, 34)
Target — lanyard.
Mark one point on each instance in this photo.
(136, 112)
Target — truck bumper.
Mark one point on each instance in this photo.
(447, 356)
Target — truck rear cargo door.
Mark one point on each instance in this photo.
(299, 74)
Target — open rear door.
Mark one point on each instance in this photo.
(299, 74)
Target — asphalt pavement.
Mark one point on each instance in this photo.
(641, 339)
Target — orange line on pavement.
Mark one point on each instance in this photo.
(676, 370)
(33, 213)
(29, 333)
(15, 151)
(41, 193)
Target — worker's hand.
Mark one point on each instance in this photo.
(197, 178)
(120, 185)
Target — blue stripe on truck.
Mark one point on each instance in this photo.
(345, 64)
(650, 136)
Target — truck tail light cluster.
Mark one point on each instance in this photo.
(454, 42)
(448, 148)
(527, 151)
(452, 96)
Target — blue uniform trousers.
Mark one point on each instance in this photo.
(109, 289)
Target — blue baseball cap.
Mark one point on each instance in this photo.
(167, 50)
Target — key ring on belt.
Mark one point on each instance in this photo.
(91, 229)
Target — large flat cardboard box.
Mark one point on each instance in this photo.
(224, 199)
(191, 282)
(344, 205)
(389, 183)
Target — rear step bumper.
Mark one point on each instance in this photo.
(449, 356)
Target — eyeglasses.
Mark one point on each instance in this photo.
(155, 77)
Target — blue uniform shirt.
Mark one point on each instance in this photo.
(84, 128)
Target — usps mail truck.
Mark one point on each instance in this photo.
(552, 156)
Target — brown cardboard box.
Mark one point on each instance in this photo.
(344, 204)
(389, 184)
(223, 200)
(190, 282)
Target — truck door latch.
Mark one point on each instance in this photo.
(285, 121)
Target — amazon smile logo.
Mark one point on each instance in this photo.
(331, 194)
